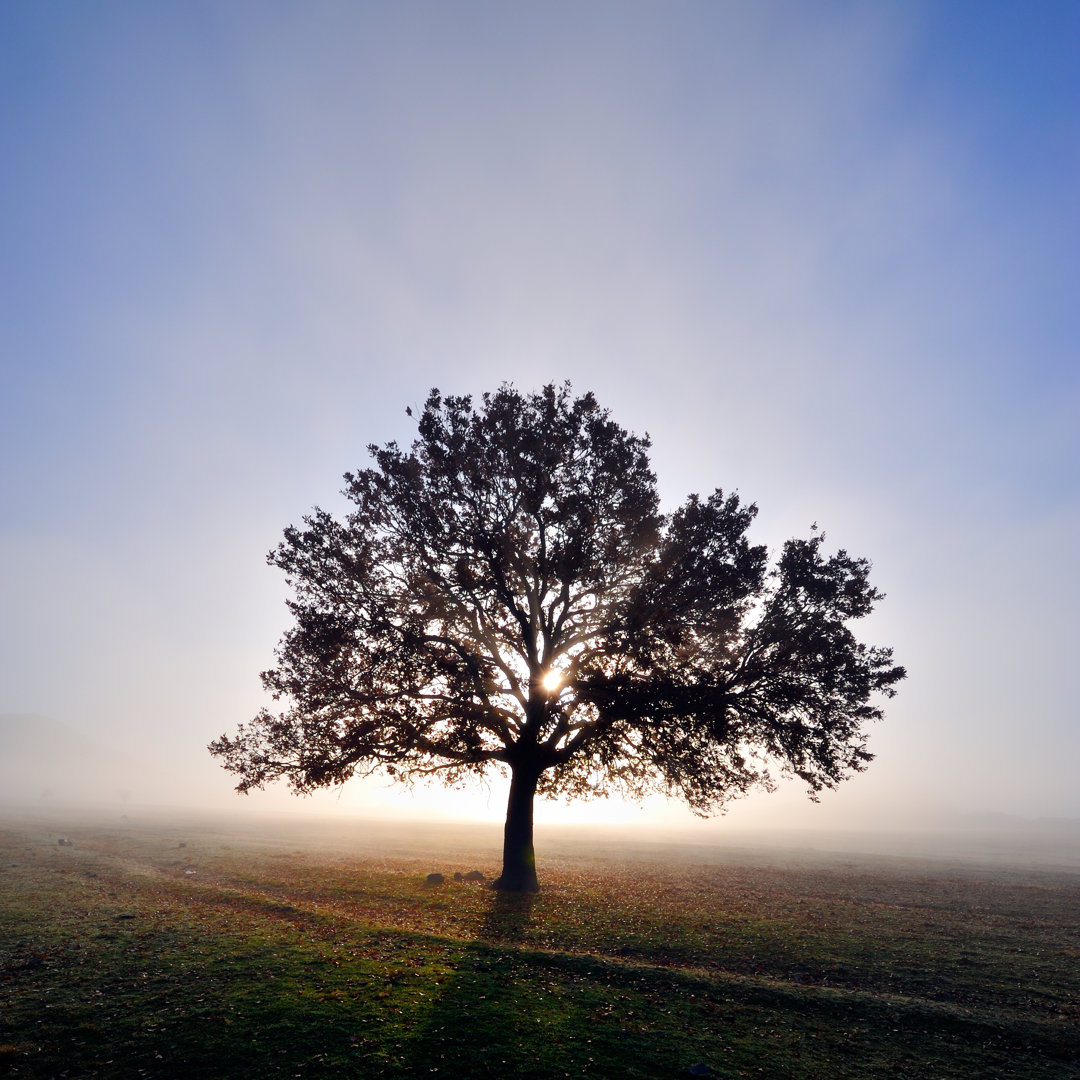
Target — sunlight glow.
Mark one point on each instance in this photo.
(552, 681)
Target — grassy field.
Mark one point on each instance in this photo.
(163, 950)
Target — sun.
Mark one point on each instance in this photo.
(551, 681)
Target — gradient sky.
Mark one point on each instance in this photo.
(825, 254)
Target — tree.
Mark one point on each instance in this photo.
(507, 593)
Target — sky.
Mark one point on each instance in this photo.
(825, 254)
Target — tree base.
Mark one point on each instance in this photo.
(524, 883)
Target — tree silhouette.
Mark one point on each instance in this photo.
(507, 593)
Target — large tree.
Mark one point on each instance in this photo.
(506, 593)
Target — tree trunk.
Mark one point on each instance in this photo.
(519, 860)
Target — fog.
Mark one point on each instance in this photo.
(826, 255)
(1020, 847)
(49, 775)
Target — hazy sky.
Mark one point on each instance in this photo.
(824, 253)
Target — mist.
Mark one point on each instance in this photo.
(51, 776)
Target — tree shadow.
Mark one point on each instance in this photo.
(482, 1024)
(513, 1008)
(508, 917)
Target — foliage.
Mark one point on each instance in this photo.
(523, 540)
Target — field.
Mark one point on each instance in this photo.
(194, 949)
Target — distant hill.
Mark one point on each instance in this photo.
(44, 762)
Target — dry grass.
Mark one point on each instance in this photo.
(127, 955)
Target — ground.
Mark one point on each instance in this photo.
(162, 948)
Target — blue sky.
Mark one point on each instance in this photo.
(826, 254)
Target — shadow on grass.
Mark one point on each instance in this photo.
(510, 1009)
(508, 917)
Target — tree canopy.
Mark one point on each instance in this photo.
(506, 592)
